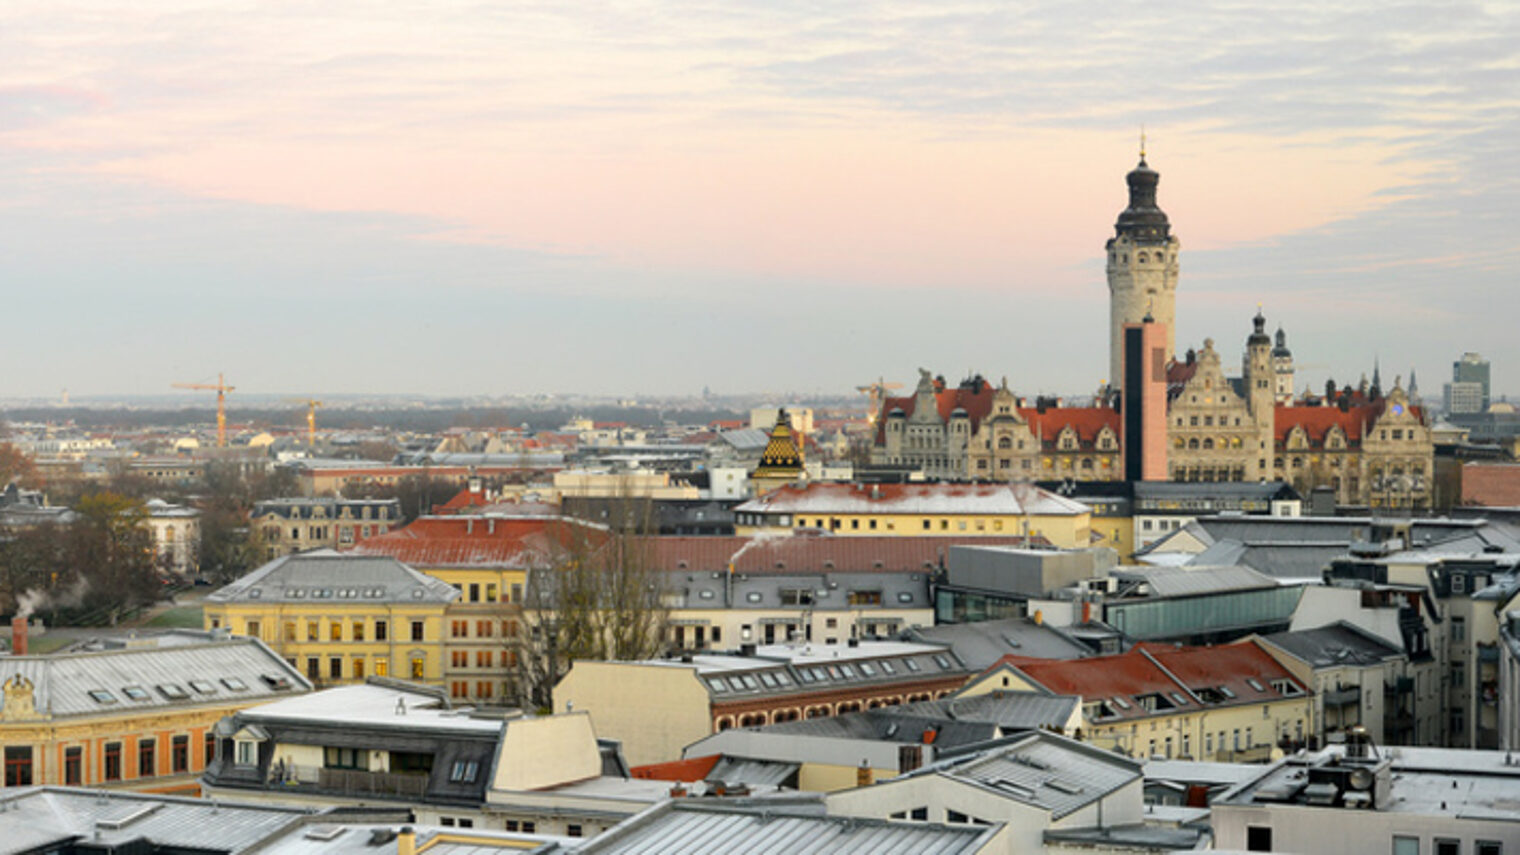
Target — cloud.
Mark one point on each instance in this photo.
(860, 158)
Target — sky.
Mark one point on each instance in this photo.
(459, 198)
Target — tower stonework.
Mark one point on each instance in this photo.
(1142, 268)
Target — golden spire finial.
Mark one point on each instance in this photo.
(1142, 142)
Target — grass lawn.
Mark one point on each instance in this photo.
(178, 617)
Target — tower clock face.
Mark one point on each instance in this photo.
(1398, 409)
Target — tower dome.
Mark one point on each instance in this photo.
(1143, 220)
(1280, 349)
(1259, 336)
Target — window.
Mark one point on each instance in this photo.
(1488, 847)
(147, 758)
(382, 667)
(209, 747)
(358, 630)
(484, 628)
(1403, 845)
(380, 630)
(335, 667)
(1458, 628)
(73, 766)
(179, 754)
(312, 630)
(18, 765)
(418, 667)
(113, 761)
(573, 829)
(474, 592)
(1447, 846)
(1258, 838)
(464, 771)
(417, 628)
(251, 629)
(247, 754)
(345, 758)
(313, 668)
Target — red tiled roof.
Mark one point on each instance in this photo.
(1317, 422)
(691, 769)
(1087, 421)
(977, 402)
(810, 553)
(1149, 669)
(465, 498)
(470, 540)
(728, 424)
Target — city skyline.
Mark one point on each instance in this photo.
(486, 201)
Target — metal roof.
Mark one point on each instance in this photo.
(731, 770)
(1196, 579)
(674, 828)
(173, 676)
(1339, 643)
(1043, 770)
(983, 643)
(325, 576)
(37, 817)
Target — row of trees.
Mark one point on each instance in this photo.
(103, 561)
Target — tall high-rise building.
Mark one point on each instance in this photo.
(1142, 268)
(1468, 391)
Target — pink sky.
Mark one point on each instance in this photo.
(973, 149)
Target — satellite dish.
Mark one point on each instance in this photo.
(1360, 779)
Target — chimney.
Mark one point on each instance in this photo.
(18, 636)
(863, 774)
(1086, 611)
(406, 841)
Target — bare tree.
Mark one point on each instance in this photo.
(600, 597)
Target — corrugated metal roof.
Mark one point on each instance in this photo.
(169, 677)
(1197, 579)
(53, 814)
(731, 770)
(678, 828)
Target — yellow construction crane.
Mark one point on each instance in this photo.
(311, 417)
(878, 393)
(222, 389)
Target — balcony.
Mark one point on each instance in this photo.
(1398, 686)
(350, 782)
(1343, 696)
(1488, 653)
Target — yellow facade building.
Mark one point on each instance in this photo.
(920, 510)
(137, 717)
(341, 618)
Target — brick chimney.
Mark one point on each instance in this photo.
(18, 636)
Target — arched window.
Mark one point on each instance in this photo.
(1005, 442)
(1193, 443)
(1208, 443)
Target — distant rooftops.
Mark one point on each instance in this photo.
(983, 499)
